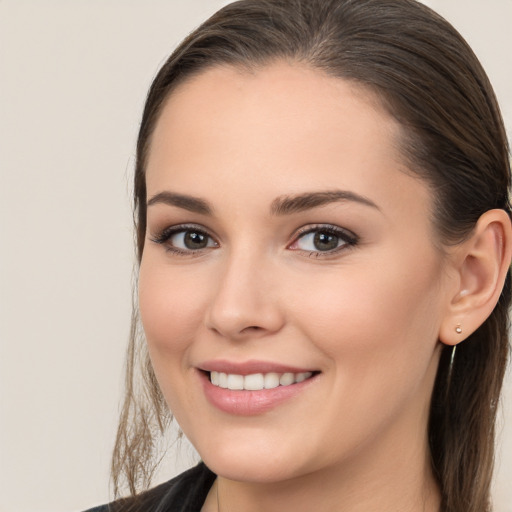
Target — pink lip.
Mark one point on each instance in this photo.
(249, 367)
(249, 403)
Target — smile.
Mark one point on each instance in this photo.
(253, 387)
(256, 381)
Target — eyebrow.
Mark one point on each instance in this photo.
(284, 205)
(190, 203)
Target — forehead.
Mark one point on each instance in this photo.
(283, 126)
(271, 97)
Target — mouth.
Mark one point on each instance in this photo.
(253, 387)
(257, 381)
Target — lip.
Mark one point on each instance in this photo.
(250, 367)
(250, 403)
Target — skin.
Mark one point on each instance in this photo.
(368, 316)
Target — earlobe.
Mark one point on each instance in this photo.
(482, 265)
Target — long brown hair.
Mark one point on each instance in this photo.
(428, 78)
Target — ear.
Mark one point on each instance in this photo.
(482, 263)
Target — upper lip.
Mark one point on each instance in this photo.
(249, 367)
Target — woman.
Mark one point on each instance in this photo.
(324, 238)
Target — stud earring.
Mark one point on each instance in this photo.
(458, 329)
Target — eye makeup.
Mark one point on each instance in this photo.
(318, 240)
(185, 239)
(322, 240)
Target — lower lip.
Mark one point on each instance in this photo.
(250, 403)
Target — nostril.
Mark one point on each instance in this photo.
(252, 328)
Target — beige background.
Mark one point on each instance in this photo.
(73, 77)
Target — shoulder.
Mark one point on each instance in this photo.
(184, 493)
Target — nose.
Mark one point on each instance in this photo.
(246, 299)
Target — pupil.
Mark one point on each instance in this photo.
(195, 240)
(325, 241)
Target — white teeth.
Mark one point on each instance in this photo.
(223, 380)
(271, 380)
(256, 381)
(235, 381)
(287, 379)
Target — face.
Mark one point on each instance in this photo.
(289, 253)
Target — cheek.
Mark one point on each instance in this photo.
(385, 313)
(170, 307)
(378, 331)
(171, 315)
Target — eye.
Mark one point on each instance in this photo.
(185, 239)
(323, 239)
(191, 240)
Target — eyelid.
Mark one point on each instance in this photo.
(349, 238)
(163, 236)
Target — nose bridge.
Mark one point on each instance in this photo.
(245, 299)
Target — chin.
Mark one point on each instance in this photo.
(250, 464)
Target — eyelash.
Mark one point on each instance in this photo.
(165, 235)
(348, 239)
